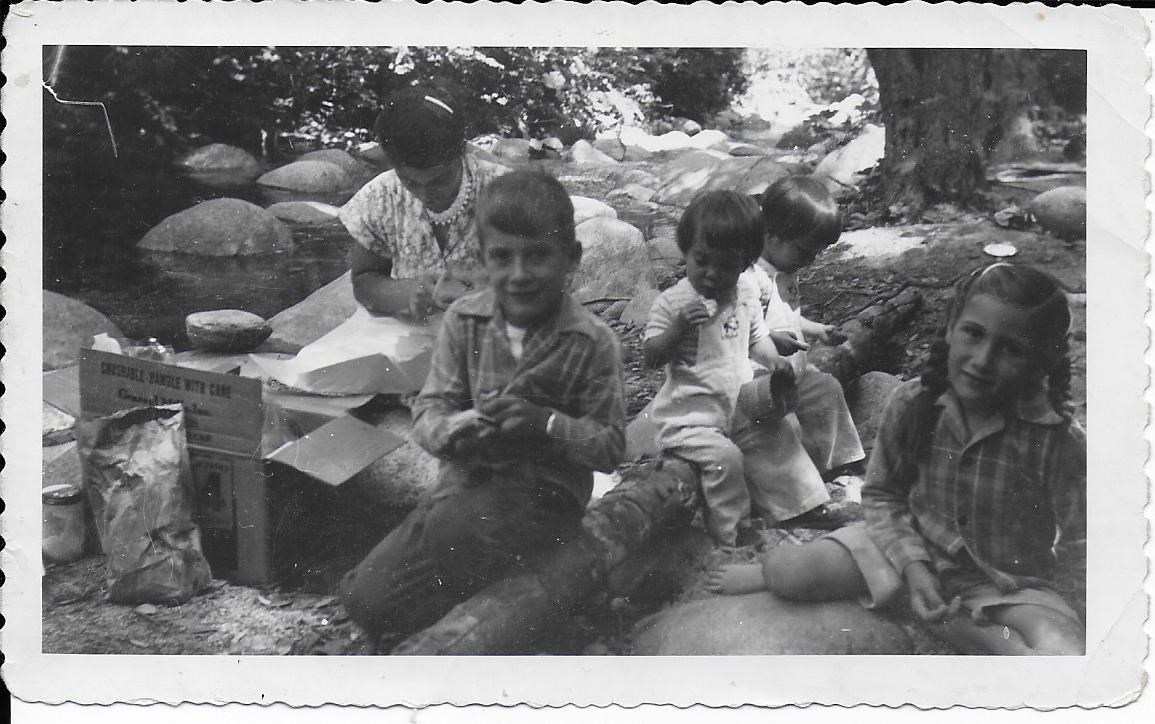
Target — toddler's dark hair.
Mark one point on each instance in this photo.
(723, 220)
(421, 127)
(527, 203)
(1027, 287)
(800, 207)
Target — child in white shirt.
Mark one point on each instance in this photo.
(801, 220)
(705, 330)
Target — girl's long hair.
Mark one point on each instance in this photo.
(1026, 287)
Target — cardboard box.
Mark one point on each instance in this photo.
(237, 436)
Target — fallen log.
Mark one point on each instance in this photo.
(866, 334)
(509, 615)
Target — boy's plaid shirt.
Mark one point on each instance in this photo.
(1014, 495)
(572, 365)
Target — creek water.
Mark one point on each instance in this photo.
(96, 211)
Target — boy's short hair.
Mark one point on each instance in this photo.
(723, 220)
(800, 207)
(527, 203)
(421, 127)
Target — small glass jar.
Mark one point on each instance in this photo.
(63, 532)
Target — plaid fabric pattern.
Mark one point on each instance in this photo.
(571, 365)
(1013, 496)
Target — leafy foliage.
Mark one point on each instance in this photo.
(167, 98)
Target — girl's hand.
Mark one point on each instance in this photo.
(787, 344)
(926, 594)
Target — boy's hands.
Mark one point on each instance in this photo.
(926, 594)
(515, 418)
(787, 344)
(470, 434)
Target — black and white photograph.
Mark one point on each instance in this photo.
(658, 356)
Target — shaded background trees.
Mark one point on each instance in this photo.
(168, 98)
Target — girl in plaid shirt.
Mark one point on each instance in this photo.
(976, 490)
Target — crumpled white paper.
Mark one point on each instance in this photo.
(365, 355)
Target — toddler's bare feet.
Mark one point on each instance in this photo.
(736, 579)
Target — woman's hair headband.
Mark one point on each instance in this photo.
(440, 104)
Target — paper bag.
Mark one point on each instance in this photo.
(139, 485)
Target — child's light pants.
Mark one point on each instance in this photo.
(828, 431)
(761, 466)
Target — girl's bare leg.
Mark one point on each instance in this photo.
(971, 637)
(819, 571)
(1045, 631)
(1022, 629)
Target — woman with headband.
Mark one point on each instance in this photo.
(416, 238)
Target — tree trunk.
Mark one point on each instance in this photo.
(944, 112)
(935, 109)
(509, 615)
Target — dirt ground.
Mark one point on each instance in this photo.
(306, 619)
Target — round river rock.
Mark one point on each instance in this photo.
(226, 330)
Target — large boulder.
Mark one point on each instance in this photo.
(612, 147)
(637, 310)
(712, 170)
(669, 141)
(625, 176)
(305, 213)
(746, 149)
(642, 433)
(226, 330)
(584, 152)
(512, 150)
(685, 176)
(586, 208)
(689, 127)
(710, 139)
(843, 168)
(763, 624)
(866, 397)
(220, 158)
(480, 153)
(748, 175)
(1062, 211)
(316, 315)
(373, 154)
(69, 325)
(636, 153)
(355, 167)
(312, 177)
(630, 193)
(219, 227)
(615, 260)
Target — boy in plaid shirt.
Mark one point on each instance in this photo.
(975, 495)
(523, 402)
